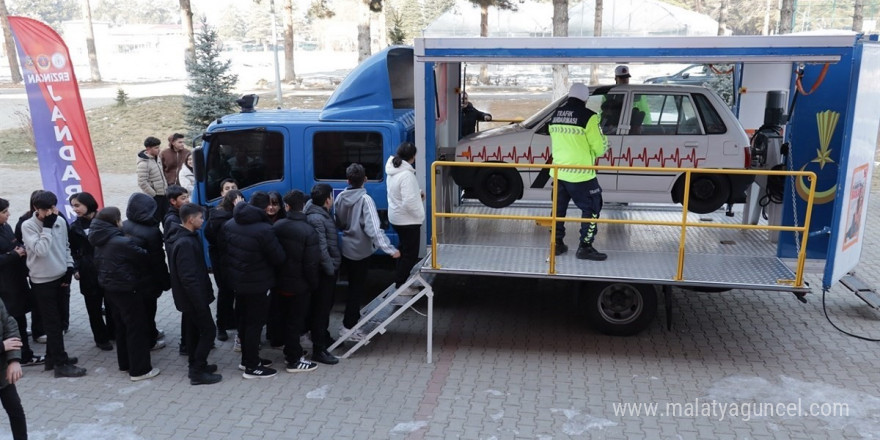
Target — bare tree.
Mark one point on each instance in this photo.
(10, 45)
(484, 24)
(560, 29)
(597, 32)
(858, 7)
(289, 72)
(186, 20)
(722, 17)
(365, 39)
(90, 41)
(786, 17)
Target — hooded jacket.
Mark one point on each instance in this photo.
(301, 269)
(358, 220)
(214, 235)
(404, 195)
(144, 231)
(252, 251)
(151, 178)
(117, 258)
(84, 256)
(328, 237)
(190, 284)
(14, 287)
(9, 327)
(48, 249)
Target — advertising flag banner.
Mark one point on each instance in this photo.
(64, 146)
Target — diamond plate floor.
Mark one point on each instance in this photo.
(729, 258)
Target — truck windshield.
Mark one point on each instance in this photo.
(248, 156)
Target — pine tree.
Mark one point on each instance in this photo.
(210, 83)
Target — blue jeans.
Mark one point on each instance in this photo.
(588, 197)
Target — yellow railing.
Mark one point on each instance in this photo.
(683, 224)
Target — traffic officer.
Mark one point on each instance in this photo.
(576, 139)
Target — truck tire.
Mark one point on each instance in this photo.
(497, 187)
(620, 309)
(708, 193)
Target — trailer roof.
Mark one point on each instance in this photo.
(572, 50)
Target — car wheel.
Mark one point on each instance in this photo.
(498, 187)
(708, 192)
(620, 309)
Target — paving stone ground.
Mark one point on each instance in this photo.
(513, 359)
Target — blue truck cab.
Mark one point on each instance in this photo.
(363, 121)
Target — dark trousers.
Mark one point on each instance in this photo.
(65, 308)
(26, 353)
(357, 280)
(161, 207)
(318, 318)
(101, 331)
(150, 298)
(290, 313)
(276, 321)
(588, 197)
(410, 238)
(12, 404)
(225, 298)
(132, 338)
(36, 319)
(250, 310)
(50, 298)
(199, 337)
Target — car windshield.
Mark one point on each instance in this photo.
(536, 118)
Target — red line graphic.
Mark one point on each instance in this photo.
(640, 158)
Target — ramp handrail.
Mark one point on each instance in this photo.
(683, 224)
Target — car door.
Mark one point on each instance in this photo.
(670, 136)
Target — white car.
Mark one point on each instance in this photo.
(663, 126)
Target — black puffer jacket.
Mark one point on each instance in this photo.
(14, 287)
(321, 220)
(117, 257)
(214, 234)
(190, 284)
(84, 256)
(172, 217)
(252, 251)
(143, 229)
(300, 271)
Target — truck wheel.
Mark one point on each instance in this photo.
(708, 192)
(620, 309)
(498, 187)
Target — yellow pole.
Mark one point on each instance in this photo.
(434, 215)
(802, 255)
(555, 199)
(679, 272)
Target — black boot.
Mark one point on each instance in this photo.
(561, 248)
(323, 356)
(204, 378)
(588, 252)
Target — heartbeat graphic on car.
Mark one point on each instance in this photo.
(674, 160)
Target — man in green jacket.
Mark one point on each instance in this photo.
(576, 139)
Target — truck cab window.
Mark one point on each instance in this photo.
(248, 156)
(334, 151)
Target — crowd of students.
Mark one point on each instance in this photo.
(275, 258)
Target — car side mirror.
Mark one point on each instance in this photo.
(685, 75)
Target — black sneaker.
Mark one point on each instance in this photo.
(69, 370)
(588, 252)
(258, 373)
(106, 346)
(222, 336)
(35, 360)
(204, 378)
(324, 357)
(561, 248)
(302, 365)
(72, 360)
(264, 363)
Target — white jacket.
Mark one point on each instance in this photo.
(405, 206)
(186, 179)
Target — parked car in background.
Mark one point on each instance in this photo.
(647, 125)
(695, 74)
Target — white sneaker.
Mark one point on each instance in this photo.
(151, 374)
(357, 336)
(42, 339)
(160, 344)
(236, 345)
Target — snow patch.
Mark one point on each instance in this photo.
(92, 431)
(578, 423)
(494, 393)
(407, 427)
(133, 388)
(110, 406)
(319, 393)
(497, 416)
(855, 410)
(58, 395)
